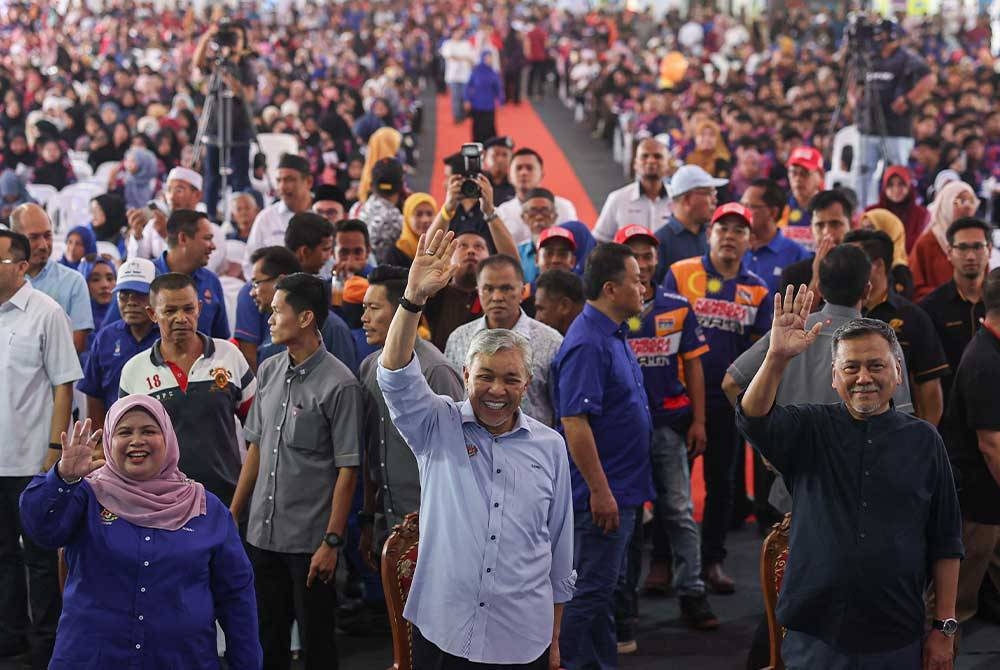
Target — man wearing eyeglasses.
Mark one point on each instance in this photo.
(64, 285)
(38, 365)
(770, 251)
(693, 197)
(956, 307)
(500, 283)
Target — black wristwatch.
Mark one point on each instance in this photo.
(948, 627)
(333, 540)
(410, 306)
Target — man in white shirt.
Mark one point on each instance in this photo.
(526, 173)
(644, 202)
(295, 189)
(38, 364)
(459, 58)
(183, 191)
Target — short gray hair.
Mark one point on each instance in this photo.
(491, 340)
(857, 328)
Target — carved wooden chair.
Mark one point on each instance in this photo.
(773, 559)
(399, 560)
(63, 569)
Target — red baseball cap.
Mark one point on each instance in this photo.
(807, 157)
(632, 231)
(734, 209)
(557, 232)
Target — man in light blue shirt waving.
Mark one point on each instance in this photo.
(496, 527)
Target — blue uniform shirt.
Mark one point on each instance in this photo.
(666, 328)
(797, 223)
(213, 320)
(770, 260)
(113, 346)
(678, 243)
(595, 373)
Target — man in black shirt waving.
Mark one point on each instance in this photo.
(874, 507)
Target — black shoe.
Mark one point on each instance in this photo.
(697, 613)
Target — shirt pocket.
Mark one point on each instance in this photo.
(307, 430)
(533, 494)
(22, 353)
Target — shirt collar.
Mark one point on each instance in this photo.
(306, 366)
(469, 416)
(20, 298)
(636, 192)
(706, 262)
(163, 268)
(841, 311)
(46, 269)
(776, 243)
(208, 346)
(603, 324)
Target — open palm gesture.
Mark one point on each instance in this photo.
(432, 268)
(78, 450)
(789, 335)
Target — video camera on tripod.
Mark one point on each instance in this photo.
(866, 35)
(227, 36)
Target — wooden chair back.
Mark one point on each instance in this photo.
(773, 559)
(399, 560)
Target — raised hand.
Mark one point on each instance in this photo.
(789, 336)
(77, 452)
(432, 268)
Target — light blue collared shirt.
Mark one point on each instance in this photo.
(68, 288)
(496, 525)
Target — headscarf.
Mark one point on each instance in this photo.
(407, 242)
(942, 210)
(85, 267)
(114, 217)
(89, 245)
(169, 500)
(384, 143)
(913, 216)
(890, 224)
(706, 160)
(11, 184)
(139, 185)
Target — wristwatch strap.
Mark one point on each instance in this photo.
(410, 306)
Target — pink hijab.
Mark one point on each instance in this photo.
(942, 211)
(169, 500)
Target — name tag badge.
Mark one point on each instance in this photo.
(471, 449)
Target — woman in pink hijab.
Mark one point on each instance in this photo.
(154, 560)
(929, 256)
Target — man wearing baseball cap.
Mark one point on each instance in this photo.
(539, 213)
(496, 163)
(733, 308)
(805, 180)
(381, 211)
(556, 249)
(665, 335)
(693, 196)
(117, 342)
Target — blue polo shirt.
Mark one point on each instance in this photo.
(111, 349)
(213, 320)
(252, 327)
(595, 373)
(733, 313)
(678, 243)
(666, 329)
(770, 260)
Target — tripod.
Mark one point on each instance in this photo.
(220, 101)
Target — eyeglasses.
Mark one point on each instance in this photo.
(538, 211)
(972, 246)
(8, 261)
(255, 283)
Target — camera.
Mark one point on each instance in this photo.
(472, 167)
(227, 35)
(867, 35)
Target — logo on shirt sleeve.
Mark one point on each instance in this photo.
(107, 516)
(471, 449)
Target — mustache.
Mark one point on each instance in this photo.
(864, 388)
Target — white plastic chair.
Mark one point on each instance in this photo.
(41, 193)
(104, 171)
(236, 251)
(845, 137)
(272, 145)
(82, 169)
(109, 249)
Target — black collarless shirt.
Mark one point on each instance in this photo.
(925, 359)
(873, 507)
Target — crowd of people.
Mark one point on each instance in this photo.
(228, 410)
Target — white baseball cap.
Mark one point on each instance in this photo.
(185, 174)
(136, 274)
(689, 177)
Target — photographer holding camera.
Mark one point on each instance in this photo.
(232, 61)
(895, 82)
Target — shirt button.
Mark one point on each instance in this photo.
(284, 404)
(138, 646)
(867, 473)
(498, 470)
(147, 538)
(382, 465)
(272, 474)
(146, 563)
(267, 521)
(140, 617)
(275, 451)
(482, 604)
(389, 510)
(493, 537)
(489, 569)
(862, 536)
(142, 589)
(864, 504)
(496, 504)
(60, 490)
(869, 441)
(386, 487)
(270, 497)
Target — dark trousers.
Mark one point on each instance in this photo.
(627, 592)
(280, 580)
(484, 125)
(536, 77)
(720, 472)
(512, 85)
(238, 181)
(18, 632)
(427, 656)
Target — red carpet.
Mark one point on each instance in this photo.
(523, 125)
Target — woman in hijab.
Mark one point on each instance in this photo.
(12, 193)
(53, 166)
(107, 217)
(418, 214)
(899, 197)
(137, 184)
(710, 152)
(100, 274)
(384, 143)
(889, 223)
(929, 257)
(483, 93)
(159, 556)
(18, 152)
(101, 150)
(80, 241)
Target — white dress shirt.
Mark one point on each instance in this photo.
(628, 206)
(510, 214)
(268, 230)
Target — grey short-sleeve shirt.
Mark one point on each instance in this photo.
(307, 423)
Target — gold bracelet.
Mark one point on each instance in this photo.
(445, 215)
